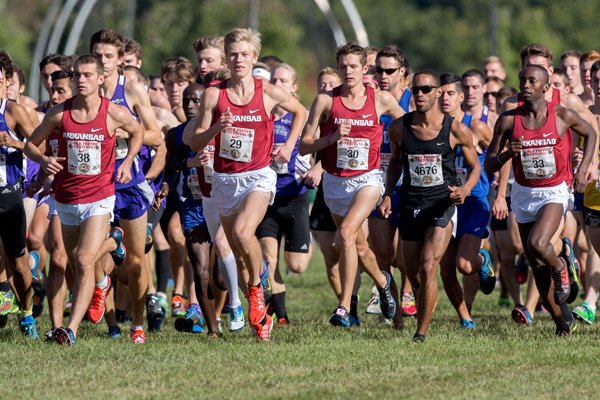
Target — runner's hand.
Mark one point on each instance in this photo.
(313, 177)
(124, 173)
(458, 194)
(385, 208)
(500, 208)
(226, 120)
(516, 145)
(281, 154)
(160, 196)
(52, 165)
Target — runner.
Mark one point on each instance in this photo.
(15, 128)
(349, 118)
(493, 66)
(464, 251)
(424, 145)
(569, 62)
(133, 198)
(288, 215)
(237, 114)
(84, 173)
(540, 144)
(210, 55)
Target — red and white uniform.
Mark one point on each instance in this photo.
(248, 144)
(545, 159)
(89, 150)
(358, 152)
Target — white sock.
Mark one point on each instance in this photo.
(228, 268)
(103, 283)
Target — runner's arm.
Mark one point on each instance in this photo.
(496, 158)
(141, 104)
(199, 132)
(50, 124)
(394, 170)
(308, 143)
(464, 138)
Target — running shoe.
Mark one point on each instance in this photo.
(192, 322)
(585, 313)
(504, 302)
(96, 309)
(418, 338)
(236, 318)
(263, 330)
(154, 313)
(386, 300)
(409, 305)
(569, 256)
(164, 304)
(64, 336)
(256, 305)
(149, 239)
(283, 321)
(487, 279)
(138, 336)
(521, 270)
(28, 327)
(120, 253)
(37, 284)
(114, 332)
(354, 321)
(520, 314)
(178, 308)
(7, 300)
(49, 336)
(562, 285)
(340, 317)
(373, 306)
(467, 324)
(265, 282)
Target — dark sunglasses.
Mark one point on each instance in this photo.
(388, 71)
(424, 89)
(495, 94)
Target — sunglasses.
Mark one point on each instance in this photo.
(495, 94)
(424, 89)
(388, 71)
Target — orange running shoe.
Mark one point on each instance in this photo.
(263, 331)
(138, 336)
(256, 301)
(178, 308)
(96, 309)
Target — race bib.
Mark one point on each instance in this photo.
(53, 146)
(83, 157)
(280, 169)
(353, 153)
(236, 144)
(3, 180)
(461, 176)
(425, 170)
(384, 161)
(538, 163)
(121, 149)
(209, 169)
(194, 185)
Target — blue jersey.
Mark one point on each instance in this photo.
(405, 100)
(386, 149)
(482, 187)
(289, 175)
(11, 159)
(121, 148)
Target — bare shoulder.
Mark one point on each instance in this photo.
(572, 101)
(510, 103)
(118, 112)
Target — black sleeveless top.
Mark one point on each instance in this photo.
(428, 167)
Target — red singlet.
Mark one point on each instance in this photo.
(248, 144)
(87, 174)
(358, 152)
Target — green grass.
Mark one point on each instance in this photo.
(312, 360)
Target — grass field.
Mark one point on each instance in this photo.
(312, 360)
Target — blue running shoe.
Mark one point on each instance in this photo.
(354, 321)
(114, 332)
(569, 256)
(236, 318)
(467, 324)
(487, 279)
(28, 327)
(521, 315)
(340, 317)
(386, 300)
(120, 253)
(37, 284)
(192, 322)
(64, 336)
(265, 282)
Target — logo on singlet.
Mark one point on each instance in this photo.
(247, 118)
(119, 100)
(539, 142)
(354, 122)
(83, 136)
